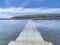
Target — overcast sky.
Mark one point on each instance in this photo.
(19, 7)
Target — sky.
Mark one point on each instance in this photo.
(10, 8)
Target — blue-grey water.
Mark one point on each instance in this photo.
(10, 29)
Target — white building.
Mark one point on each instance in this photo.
(30, 36)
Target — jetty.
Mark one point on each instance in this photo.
(30, 36)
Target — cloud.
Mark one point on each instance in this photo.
(5, 16)
(7, 12)
(29, 10)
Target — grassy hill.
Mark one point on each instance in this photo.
(39, 15)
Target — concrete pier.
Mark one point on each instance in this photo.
(30, 36)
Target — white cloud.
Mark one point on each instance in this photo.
(5, 16)
(27, 11)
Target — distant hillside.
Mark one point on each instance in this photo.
(38, 16)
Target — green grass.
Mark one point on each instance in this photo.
(36, 15)
(45, 15)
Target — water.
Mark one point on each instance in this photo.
(10, 29)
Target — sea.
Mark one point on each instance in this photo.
(10, 29)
